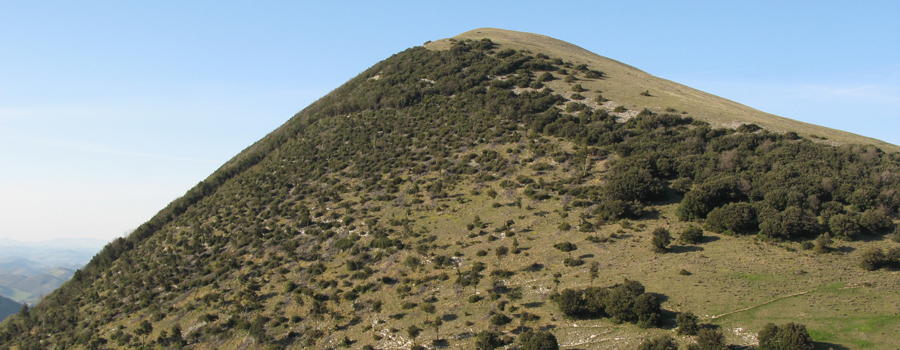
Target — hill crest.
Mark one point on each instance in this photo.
(626, 83)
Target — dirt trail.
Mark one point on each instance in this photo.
(758, 305)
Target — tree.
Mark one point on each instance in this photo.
(872, 259)
(567, 247)
(594, 271)
(538, 341)
(792, 223)
(500, 252)
(732, 218)
(413, 332)
(144, 329)
(500, 320)
(875, 220)
(661, 239)
(791, 336)
(823, 244)
(844, 226)
(663, 342)
(687, 323)
(176, 338)
(486, 340)
(709, 339)
(692, 235)
(570, 302)
(437, 323)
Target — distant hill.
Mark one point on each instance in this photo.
(505, 190)
(8, 307)
(30, 270)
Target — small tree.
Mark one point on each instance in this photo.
(501, 251)
(844, 226)
(567, 247)
(872, 259)
(594, 271)
(823, 244)
(709, 339)
(486, 340)
(144, 329)
(413, 332)
(692, 235)
(687, 323)
(437, 323)
(791, 336)
(538, 341)
(661, 240)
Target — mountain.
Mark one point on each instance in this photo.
(505, 190)
(8, 307)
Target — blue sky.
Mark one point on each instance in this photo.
(109, 110)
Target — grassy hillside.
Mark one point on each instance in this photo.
(625, 83)
(479, 194)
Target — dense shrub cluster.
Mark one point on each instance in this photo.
(626, 302)
(791, 336)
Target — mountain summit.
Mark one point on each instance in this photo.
(502, 189)
(629, 82)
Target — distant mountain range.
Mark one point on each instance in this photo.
(30, 270)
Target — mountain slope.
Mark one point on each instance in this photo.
(626, 83)
(474, 185)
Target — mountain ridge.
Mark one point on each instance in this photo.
(702, 105)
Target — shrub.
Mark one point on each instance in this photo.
(875, 220)
(538, 341)
(734, 217)
(692, 235)
(567, 247)
(713, 193)
(486, 340)
(687, 323)
(709, 339)
(620, 109)
(578, 88)
(663, 342)
(661, 239)
(572, 262)
(823, 244)
(645, 93)
(792, 223)
(634, 183)
(593, 74)
(577, 96)
(791, 336)
(844, 226)
(500, 320)
(872, 259)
